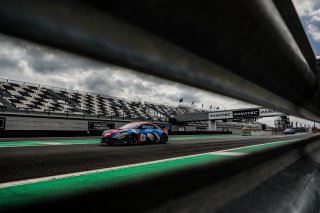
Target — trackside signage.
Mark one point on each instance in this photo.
(220, 115)
(268, 112)
(246, 113)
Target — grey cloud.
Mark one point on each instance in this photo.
(174, 99)
(139, 87)
(306, 7)
(8, 64)
(309, 12)
(38, 60)
(58, 61)
(190, 95)
(47, 67)
(13, 42)
(103, 85)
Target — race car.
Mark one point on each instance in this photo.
(135, 133)
(289, 131)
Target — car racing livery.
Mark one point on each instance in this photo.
(135, 133)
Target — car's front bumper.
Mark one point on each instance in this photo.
(113, 140)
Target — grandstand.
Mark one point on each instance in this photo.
(23, 97)
(17, 96)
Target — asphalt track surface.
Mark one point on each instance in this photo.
(26, 162)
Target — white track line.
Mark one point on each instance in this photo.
(34, 180)
(226, 150)
(221, 152)
(229, 153)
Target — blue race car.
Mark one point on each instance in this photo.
(289, 131)
(135, 133)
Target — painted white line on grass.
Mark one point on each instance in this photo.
(34, 180)
(221, 152)
(230, 153)
(226, 150)
(51, 143)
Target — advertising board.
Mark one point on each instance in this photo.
(220, 115)
(246, 113)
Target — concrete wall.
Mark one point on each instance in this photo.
(232, 129)
(34, 123)
(119, 124)
(257, 133)
(193, 128)
(190, 128)
(16, 122)
(57, 123)
(184, 128)
(237, 131)
(212, 125)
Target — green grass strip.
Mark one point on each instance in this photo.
(21, 143)
(192, 137)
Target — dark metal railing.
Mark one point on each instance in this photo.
(250, 55)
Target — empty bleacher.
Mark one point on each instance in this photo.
(16, 96)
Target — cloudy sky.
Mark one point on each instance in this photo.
(309, 12)
(27, 62)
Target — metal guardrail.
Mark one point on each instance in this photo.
(235, 51)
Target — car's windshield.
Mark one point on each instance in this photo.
(130, 126)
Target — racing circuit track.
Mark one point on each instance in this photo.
(48, 156)
(44, 169)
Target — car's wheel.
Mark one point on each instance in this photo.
(132, 139)
(163, 138)
(110, 143)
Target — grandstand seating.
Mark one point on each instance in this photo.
(26, 97)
